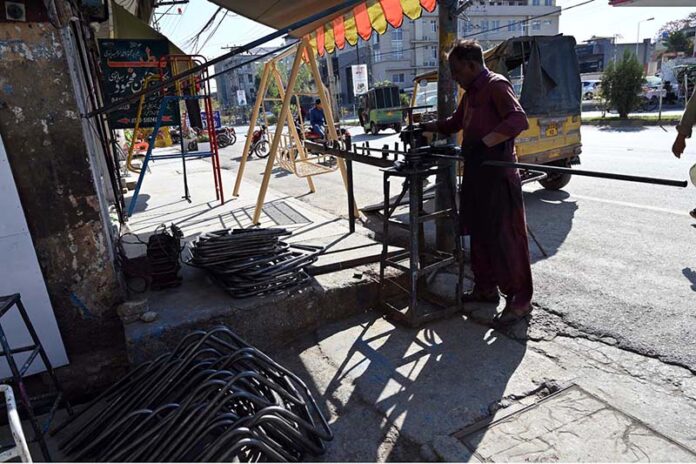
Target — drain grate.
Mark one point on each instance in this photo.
(571, 426)
(283, 214)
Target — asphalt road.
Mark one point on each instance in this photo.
(621, 262)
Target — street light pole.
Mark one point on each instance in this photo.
(638, 39)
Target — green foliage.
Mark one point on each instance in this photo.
(677, 25)
(303, 82)
(405, 99)
(678, 42)
(622, 84)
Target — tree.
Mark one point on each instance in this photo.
(622, 84)
(303, 83)
(677, 25)
(677, 42)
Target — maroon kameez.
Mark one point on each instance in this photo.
(491, 204)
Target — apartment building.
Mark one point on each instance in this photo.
(401, 54)
(242, 78)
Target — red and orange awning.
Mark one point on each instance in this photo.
(361, 20)
(334, 31)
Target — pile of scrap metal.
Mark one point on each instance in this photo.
(159, 267)
(249, 262)
(163, 253)
(214, 398)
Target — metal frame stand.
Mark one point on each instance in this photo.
(36, 349)
(421, 305)
(213, 153)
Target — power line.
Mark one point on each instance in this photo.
(212, 33)
(531, 18)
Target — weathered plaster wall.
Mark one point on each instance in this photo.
(42, 131)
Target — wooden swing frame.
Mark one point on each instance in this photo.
(287, 150)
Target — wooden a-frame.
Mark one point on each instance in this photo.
(286, 93)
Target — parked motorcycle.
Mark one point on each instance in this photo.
(259, 142)
(175, 134)
(226, 136)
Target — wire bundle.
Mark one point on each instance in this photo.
(214, 398)
(249, 262)
(163, 251)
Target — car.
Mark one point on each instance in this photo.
(591, 89)
(652, 88)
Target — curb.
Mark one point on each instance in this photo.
(629, 122)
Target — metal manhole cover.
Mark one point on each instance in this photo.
(571, 426)
(283, 214)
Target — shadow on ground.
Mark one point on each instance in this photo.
(370, 376)
(623, 129)
(550, 217)
(690, 274)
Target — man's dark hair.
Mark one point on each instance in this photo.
(317, 102)
(466, 50)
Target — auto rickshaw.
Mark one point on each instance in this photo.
(545, 74)
(380, 108)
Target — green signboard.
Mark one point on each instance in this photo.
(125, 64)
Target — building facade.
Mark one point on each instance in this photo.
(401, 54)
(595, 54)
(242, 78)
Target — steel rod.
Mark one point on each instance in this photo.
(348, 155)
(580, 172)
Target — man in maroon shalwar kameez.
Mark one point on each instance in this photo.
(491, 204)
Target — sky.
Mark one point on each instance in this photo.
(596, 18)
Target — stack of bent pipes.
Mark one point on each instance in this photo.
(214, 398)
(250, 262)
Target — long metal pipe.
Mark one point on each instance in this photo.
(579, 172)
(385, 163)
(254, 43)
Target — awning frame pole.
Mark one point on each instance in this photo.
(244, 48)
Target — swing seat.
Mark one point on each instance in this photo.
(290, 161)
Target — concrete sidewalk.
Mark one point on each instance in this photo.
(344, 277)
(459, 391)
(454, 390)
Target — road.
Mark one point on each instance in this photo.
(621, 264)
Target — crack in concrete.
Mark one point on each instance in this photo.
(582, 332)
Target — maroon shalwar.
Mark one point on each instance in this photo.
(491, 204)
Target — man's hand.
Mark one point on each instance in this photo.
(494, 139)
(429, 126)
(679, 145)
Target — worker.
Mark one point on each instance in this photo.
(317, 118)
(491, 204)
(684, 132)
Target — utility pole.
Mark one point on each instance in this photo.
(446, 180)
(332, 83)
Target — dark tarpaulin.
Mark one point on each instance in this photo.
(552, 85)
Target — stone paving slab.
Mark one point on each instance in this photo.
(572, 426)
(435, 380)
